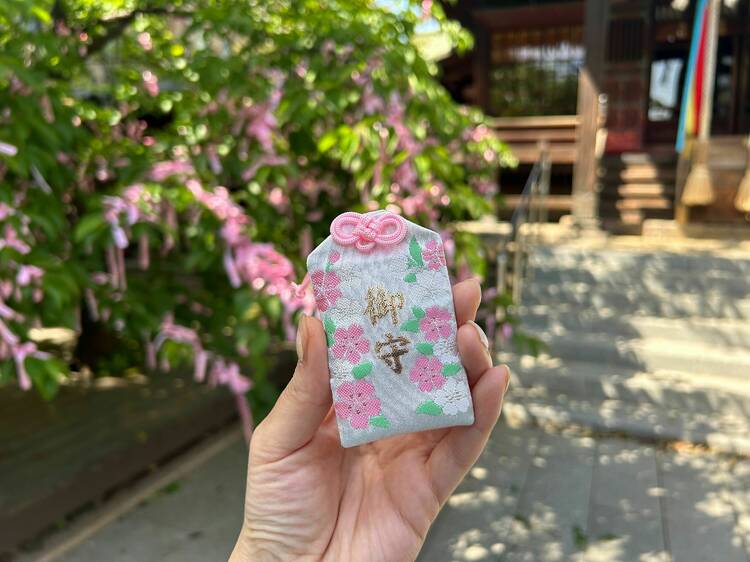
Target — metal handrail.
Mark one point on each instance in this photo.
(526, 222)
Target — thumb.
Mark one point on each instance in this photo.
(305, 401)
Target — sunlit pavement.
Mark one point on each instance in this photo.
(532, 496)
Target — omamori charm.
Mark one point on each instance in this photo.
(384, 296)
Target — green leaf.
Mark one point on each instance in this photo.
(430, 408)
(415, 251)
(451, 369)
(87, 226)
(327, 141)
(380, 421)
(410, 326)
(330, 327)
(418, 312)
(41, 14)
(410, 278)
(362, 370)
(425, 348)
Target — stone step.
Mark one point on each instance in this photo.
(650, 354)
(725, 433)
(648, 280)
(666, 389)
(572, 257)
(609, 302)
(724, 332)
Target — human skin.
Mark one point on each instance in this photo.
(309, 499)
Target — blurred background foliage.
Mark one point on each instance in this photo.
(165, 167)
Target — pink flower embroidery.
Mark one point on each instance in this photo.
(356, 402)
(427, 372)
(349, 343)
(433, 255)
(436, 324)
(325, 288)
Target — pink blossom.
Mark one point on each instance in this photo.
(181, 334)
(150, 83)
(433, 255)
(278, 199)
(162, 170)
(426, 9)
(213, 159)
(228, 374)
(5, 211)
(325, 288)
(406, 176)
(261, 262)
(427, 373)
(349, 343)
(436, 324)
(356, 401)
(507, 330)
(8, 313)
(28, 274)
(12, 241)
(8, 149)
(144, 40)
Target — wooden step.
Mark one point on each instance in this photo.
(558, 203)
(637, 190)
(644, 203)
(638, 174)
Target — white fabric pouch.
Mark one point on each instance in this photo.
(385, 300)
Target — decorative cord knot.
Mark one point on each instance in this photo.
(366, 232)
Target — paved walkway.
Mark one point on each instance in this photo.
(533, 496)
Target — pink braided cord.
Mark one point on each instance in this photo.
(366, 232)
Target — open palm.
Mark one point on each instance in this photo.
(310, 499)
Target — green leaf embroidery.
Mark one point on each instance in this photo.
(410, 326)
(451, 369)
(410, 278)
(329, 267)
(425, 348)
(380, 421)
(418, 312)
(411, 264)
(362, 370)
(415, 251)
(330, 327)
(430, 408)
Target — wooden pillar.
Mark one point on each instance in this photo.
(590, 98)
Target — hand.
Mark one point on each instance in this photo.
(309, 499)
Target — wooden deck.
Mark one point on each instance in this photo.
(59, 457)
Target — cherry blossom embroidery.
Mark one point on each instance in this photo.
(453, 397)
(436, 324)
(427, 373)
(325, 288)
(356, 402)
(433, 254)
(349, 344)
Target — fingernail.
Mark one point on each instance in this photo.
(507, 380)
(480, 333)
(299, 343)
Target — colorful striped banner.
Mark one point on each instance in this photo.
(692, 93)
